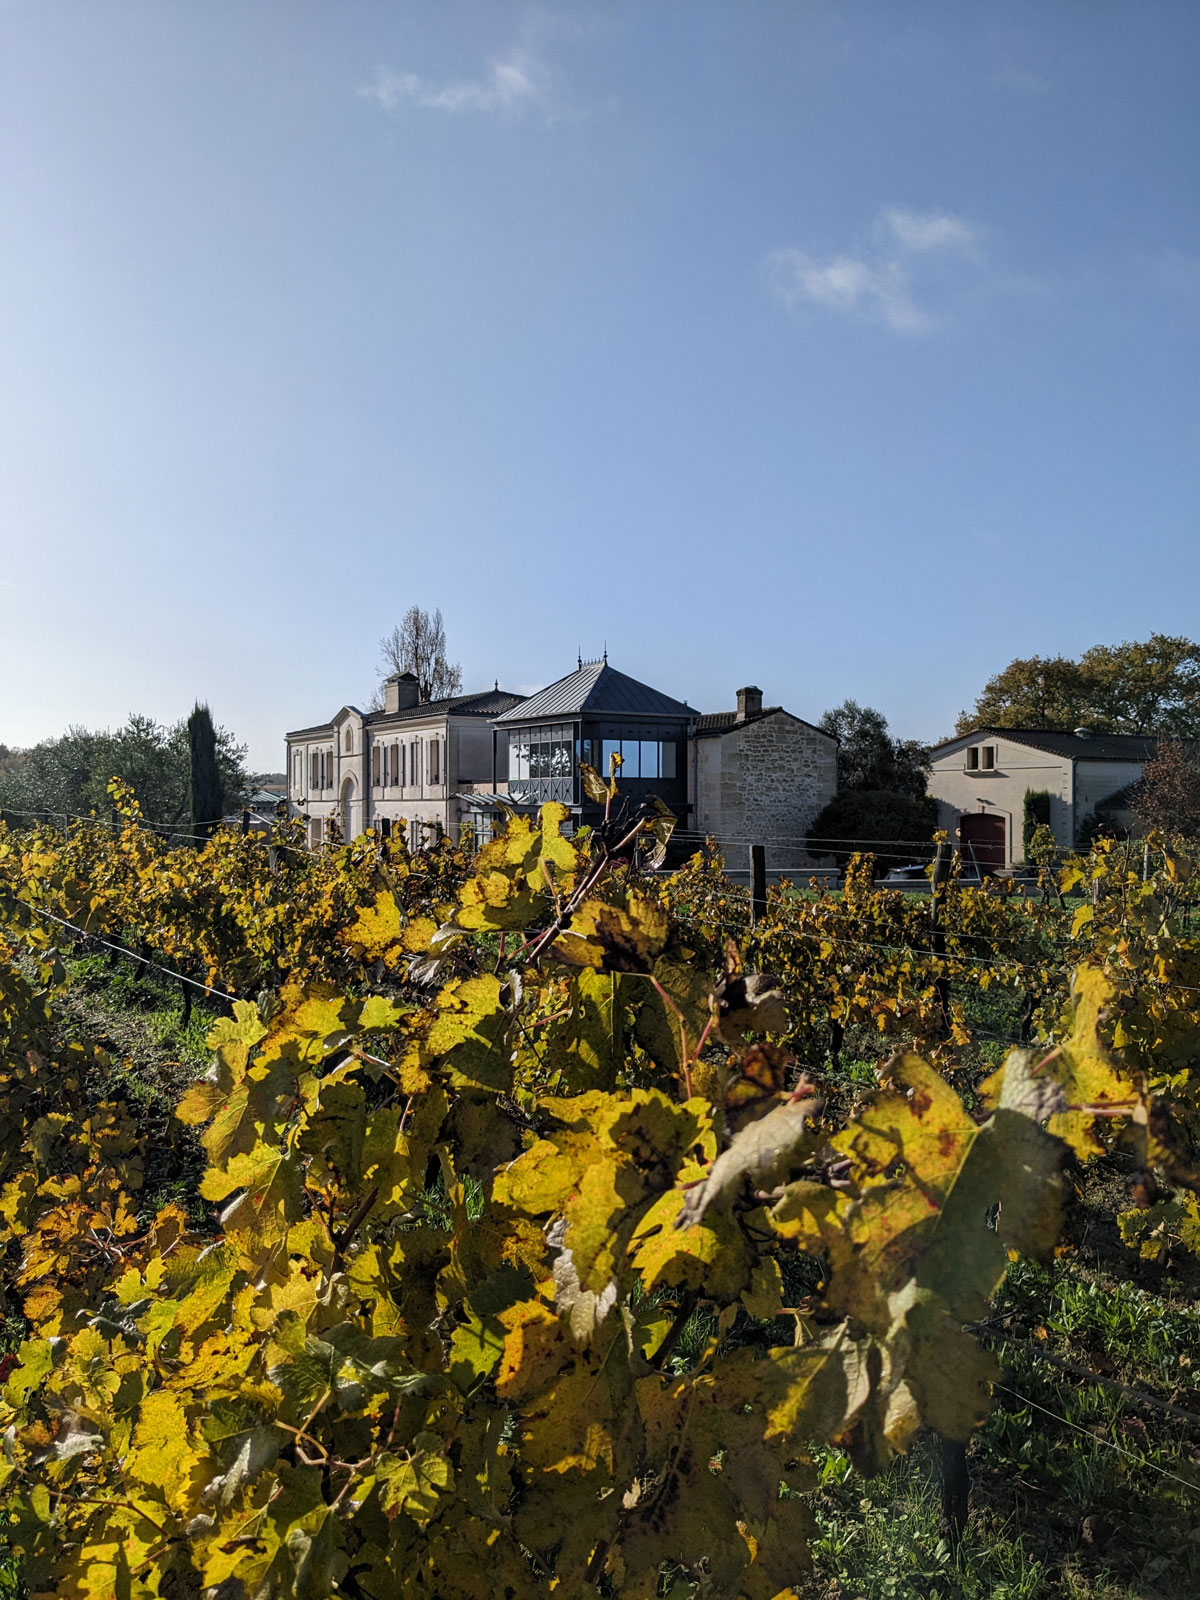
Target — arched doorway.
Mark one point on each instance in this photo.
(984, 842)
(350, 829)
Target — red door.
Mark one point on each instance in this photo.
(983, 842)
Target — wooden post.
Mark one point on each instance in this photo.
(956, 1488)
(245, 821)
(758, 883)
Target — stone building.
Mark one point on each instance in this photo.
(980, 780)
(753, 775)
(760, 775)
(407, 763)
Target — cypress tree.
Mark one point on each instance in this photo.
(204, 776)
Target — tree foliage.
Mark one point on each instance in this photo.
(1167, 797)
(205, 795)
(1141, 687)
(69, 776)
(418, 1331)
(869, 758)
(896, 828)
(418, 645)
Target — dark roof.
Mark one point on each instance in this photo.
(1066, 742)
(597, 688)
(487, 703)
(717, 722)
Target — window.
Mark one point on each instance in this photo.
(314, 832)
(644, 759)
(376, 765)
(314, 772)
(988, 757)
(414, 763)
(395, 763)
(349, 740)
(435, 761)
(326, 774)
(387, 765)
(400, 765)
(972, 758)
(297, 771)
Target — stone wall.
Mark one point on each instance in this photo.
(764, 782)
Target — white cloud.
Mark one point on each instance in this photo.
(511, 82)
(875, 293)
(919, 231)
(914, 255)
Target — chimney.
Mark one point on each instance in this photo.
(749, 702)
(400, 691)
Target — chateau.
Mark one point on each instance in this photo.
(753, 774)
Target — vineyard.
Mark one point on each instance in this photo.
(534, 1223)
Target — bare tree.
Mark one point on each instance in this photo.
(418, 645)
(1168, 796)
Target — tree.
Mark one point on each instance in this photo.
(1168, 796)
(869, 758)
(69, 775)
(1147, 687)
(205, 797)
(1036, 815)
(897, 828)
(418, 645)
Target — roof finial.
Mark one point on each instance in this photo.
(606, 652)
(496, 685)
(579, 655)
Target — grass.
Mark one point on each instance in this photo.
(1074, 1483)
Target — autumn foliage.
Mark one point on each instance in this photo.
(488, 1137)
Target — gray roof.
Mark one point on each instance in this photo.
(717, 722)
(487, 703)
(599, 689)
(1066, 742)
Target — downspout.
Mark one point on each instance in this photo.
(694, 747)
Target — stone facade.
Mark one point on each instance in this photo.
(749, 776)
(760, 777)
(412, 762)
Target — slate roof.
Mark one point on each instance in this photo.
(1066, 742)
(600, 689)
(717, 722)
(484, 704)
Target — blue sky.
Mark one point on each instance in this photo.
(848, 349)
